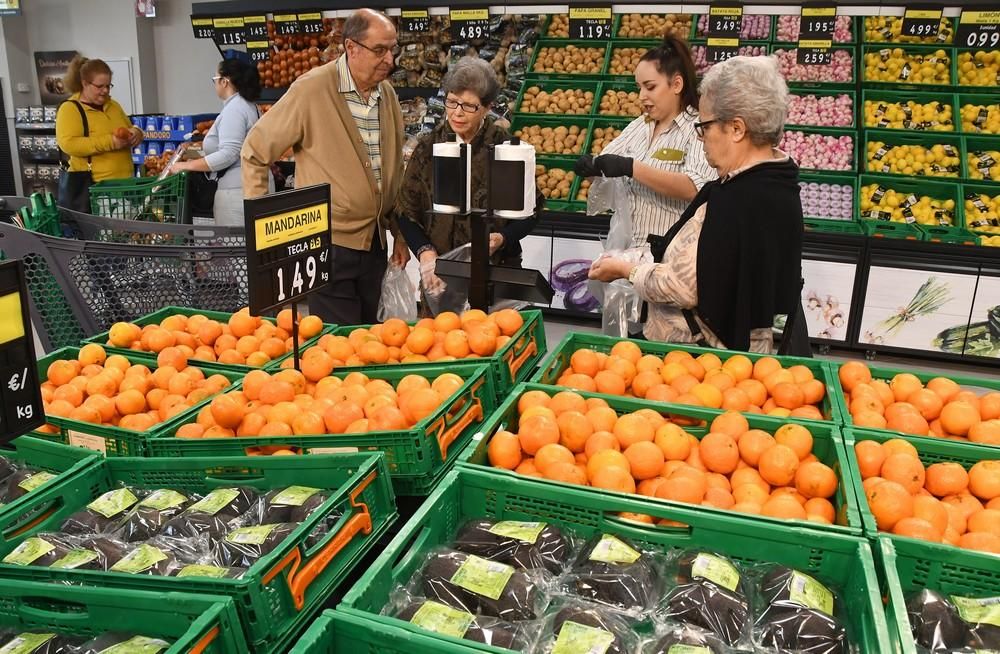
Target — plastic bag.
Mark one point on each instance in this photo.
(445, 620)
(39, 641)
(147, 518)
(524, 545)
(799, 614)
(399, 298)
(704, 604)
(242, 547)
(941, 623)
(677, 636)
(612, 570)
(104, 513)
(450, 295)
(124, 643)
(577, 626)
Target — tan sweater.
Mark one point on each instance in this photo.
(314, 121)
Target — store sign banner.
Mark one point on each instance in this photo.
(725, 22)
(979, 28)
(203, 27)
(816, 28)
(286, 24)
(229, 30)
(51, 67)
(415, 20)
(922, 20)
(470, 24)
(590, 23)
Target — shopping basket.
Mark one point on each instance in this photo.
(156, 200)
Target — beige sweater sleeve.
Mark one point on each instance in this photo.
(276, 131)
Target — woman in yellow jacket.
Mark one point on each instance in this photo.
(93, 130)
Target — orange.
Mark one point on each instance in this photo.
(889, 503)
(102, 384)
(958, 417)
(241, 323)
(933, 511)
(645, 459)
(613, 478)
(788, 395)
(986, 432)
(719, 498)
(946, 478)
(853, 373)
(784, 507)
(585, 362)
(709, 396)
(964, 503)
(600, 440)
(796, 437)
(870, 457)
(527, 467)
(684, 485)
(447, 321)
(130, 402)
(927, 402)
(644, 381)
(122, 334)
(755, 390)
(719, 452)
(908, 422)
(338, 417)
(602, 418)
(989, 406)
(481, 340)
(622, 367)
(632, 428)
(731, 423)
(945, 388)
(815, 479)
(980, 541)
(92, 354)
(720, 379)
(899, 446)
(627, 350)
(276, 390)
(987, 520)
(307, 423)
(904, 469)
(284, 319)
(764, 367)
(504, 450)
(532, 399)
(456, 344)
(607, 459)
(673, 442)
(869, 419)
(866, 403)
(508, 320)
(419, 404)
(739, 366)
(917, 528)
(567, 401)
(779, 377)
(610, 382)
(778, 465)
(552, 453)
(753, 444)
(817, 506)
(536, 431)
(733, 399)
(904, 385)
(984, 480)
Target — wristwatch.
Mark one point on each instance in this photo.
(632, 273)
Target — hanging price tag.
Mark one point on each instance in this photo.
(979, 29)
(924, 20)
(255, 28)
(229, 31)
(259, 50)
(470, 24)
(203, 28)
(725, 20)
(415, 20)
(817, 25)
(20, 394)
(311, 23)
(590, 23)
(286, 24)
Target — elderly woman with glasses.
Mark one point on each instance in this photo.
(733, 260)
(470, 88)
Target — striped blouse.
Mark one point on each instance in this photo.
(365, 114)
(652, 212)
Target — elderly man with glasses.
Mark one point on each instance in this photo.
(344, 126)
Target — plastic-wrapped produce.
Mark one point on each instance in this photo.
(443, 619)
(102, 514)
(38, 641)
(704, 604)
(716, 568)
(23, 481)
(147, 559)
(212, 514)
(205, 570)
(124, 643)
(280, 504)
(478, 585)
(697, 640)
(611, 570)
(799, 614)
(7, 468)
(524, 545)
(949, 624)
(151, 514)
(242, 547)
(576, 627)
(829, 201)
(42, 549)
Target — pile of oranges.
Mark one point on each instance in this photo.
(244, 339)
(940, 409)
(447, 337)
(110, 390)
(942, 502)
(736, 384)
(286, 403)
(566, 438)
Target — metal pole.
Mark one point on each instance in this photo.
(479, 267)
(295, 335)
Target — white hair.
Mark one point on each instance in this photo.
(750, 88)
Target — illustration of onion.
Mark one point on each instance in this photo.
(570, 278)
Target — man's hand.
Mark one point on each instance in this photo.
(400, 253)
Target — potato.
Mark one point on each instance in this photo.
(602, 137)
(559, 101)
(636, 26)
(560, 140)
(570, 59)
(624, 60)
(584, 191)
(554, 183)
(559, 27)
(620, 103)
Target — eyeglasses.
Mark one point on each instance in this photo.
(699, 128)
(216, 78)
(466, 107)
(380, 50)
(103, 87)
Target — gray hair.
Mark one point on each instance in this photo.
(475, 75)
(357, 24)
(750, 88)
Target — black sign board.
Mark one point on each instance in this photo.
(203, 28)
(259, 50)
(20, 392)
(979, 29)
(288, 246)
(590, 23)
(922, 21)
(311, 23)
(816, 28)
(415, 20)
(725, 21)
(255, 28)
(285, 24)
(470, 24)
(229, 31)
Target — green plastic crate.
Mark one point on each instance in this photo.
(284, 589)
(880, 229)
(979, 144)
(827, 446)
(822, 93)
(930, 451)
(151, 200)
(963, 99)
(194, 624)
(856, 162)
(620, 37)
(953, 235)
(109, 439)
(833, 226)
(583, 122)
(803, 85)
(834, 178)
(558, 361)
(605, 122)
(914, 50)
(647, 44)
(553, 85)
(972, 222)
(855, 36)
(570, 203)
(962, 88)
(562, 43)
(887, 96)
(415, 457)
(616, 85)
(157, 317)
(892, 138)
(938, 188)
(877, 37)
(908, 566)
(466, 494)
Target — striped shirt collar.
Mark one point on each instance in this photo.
(347, 84)
(685, 116)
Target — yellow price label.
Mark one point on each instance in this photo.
(11, 320)
(980, 18)
(311, 16)
(222, 23)
(592, 13)
(291, 226)
(415, 13)
(819, 45)
(726, 11)
(201, 22)
(724, 43)
(924, 13)
(470, 14)
(819, 11)
(255, 20)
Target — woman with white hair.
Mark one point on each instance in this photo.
(733, 260)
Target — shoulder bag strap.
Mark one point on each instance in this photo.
(86, 123)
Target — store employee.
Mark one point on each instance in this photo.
(659, 152)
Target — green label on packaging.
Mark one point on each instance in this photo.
(35, 480)
(26, 643)
(255, 535)
(195, 570)
(214, 501)
(75, 559)
(688, 649)
(138, 645)
(442, 619)
(523, 531)
(29, 551)
(140, 559)
(612, 550)
(580, 639)
(716, 569)
(294, 496)
(985, 610)
(163, 499)
(804, 590)
(113, 502)
(482, 576)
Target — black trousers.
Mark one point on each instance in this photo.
(352, 296)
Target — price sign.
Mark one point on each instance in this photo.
(725, 20)
(979, 29)
(259, 50)
(20, 392)
(288, 246)
(590, 23)
(816, 27)
(722, 49)
(203, 28)
(255, 28)
(415, 20)
(285, 24)
(470, 24)
(229, 31)
(311, 23)
(922, 21)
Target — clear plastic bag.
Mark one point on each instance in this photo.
(244, 546)
(703, 604)
(612, 570)
(104, 513)
(799, 613)
(147, 518)
(399, 298)
(524, 545)
(452, 295)
(442, 619)
(124, 643)
(39, 641)
(675, 637)
(573, 625)
(939, 623)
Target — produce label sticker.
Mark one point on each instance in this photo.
(523, 531)
(808, 592)
(113, 502)
(35, 480)
(138, 645)
(442, 619)
(139, 560)
(255, 535)
(29, 551)
(688, 649)
(715, 569)
(612, 550)
(294, 496)
(75, 559)
(669, 154)
(195, 570)
(26, 643)
(576, 638)
(214, 501)
(984, 610)
(483, 577)
(163, 499)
